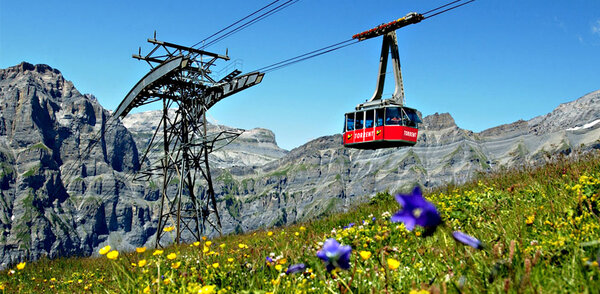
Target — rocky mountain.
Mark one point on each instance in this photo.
(66, 167)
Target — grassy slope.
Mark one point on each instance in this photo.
(541, 227)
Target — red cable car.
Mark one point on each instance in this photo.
(383, 123)
(381, 127)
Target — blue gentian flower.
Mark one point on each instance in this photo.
(416, 210)
(269, 261)
(467, 239)
(295, 268)
(335, 255)
(350, 225)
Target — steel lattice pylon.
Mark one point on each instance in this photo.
(181, 78)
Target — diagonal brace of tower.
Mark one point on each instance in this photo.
(181, 79)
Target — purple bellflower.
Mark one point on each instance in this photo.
(467, 239)
(416, 210)
(335, 255)
(295, 268)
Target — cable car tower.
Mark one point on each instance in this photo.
(384, 123)
(181, 78)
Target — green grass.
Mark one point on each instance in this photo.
(541, 228)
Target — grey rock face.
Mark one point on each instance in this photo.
(64, 167)
(65, 189)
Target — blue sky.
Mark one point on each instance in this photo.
(488, 63)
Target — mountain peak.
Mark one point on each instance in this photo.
(439, 121)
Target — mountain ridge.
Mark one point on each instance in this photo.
(51, 208)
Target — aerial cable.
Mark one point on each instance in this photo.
(223, 29)
(453, 7)
(445, 5)
(246, 24)
(306, 56)
(251, 22)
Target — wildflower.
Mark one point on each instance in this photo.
(530, 219)
(365, 255)
(295, 268)
(242, 246)
(208, 243)
(278, 267)
(113, 254)
(334, 255)
(209, 289)
(350, 225)
(21, 265)
(140, 249)
(176, 265)
(172, 256)
(416, 210)
(269, 260)
(222, 245)
(142, 263)
(392, 263)
(230, 259)
(197, 243)
(147, 289)
(169, 228)
(104, 250)
(467, 240)
(157, 252)
(215, 265)
(270, 234)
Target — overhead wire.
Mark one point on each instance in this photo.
(240, 20)
(246, 24)
(306, 56)
(446, 10)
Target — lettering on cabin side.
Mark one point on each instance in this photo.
(410, 134)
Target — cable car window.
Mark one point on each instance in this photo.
(379, 117)
(349, 121)
(360, 117)
(413, 118)
(392, 116)
(369, 118)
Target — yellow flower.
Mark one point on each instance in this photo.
(205, 249)
(157, 252)
(166, 281)
(230, 259)
(278, 267)
(302, 229)
(242, 246)
(176, 265)
(113, 254)
(210, 289)
(208, 243)
(104, 250)
(270, 234)
(392, 263)
(147, 289)
(197, 243)
(168, 229)
(282, 261)
(418, 291)
(222, 245)
(21, 265)
(365, 255)
(530, 219)
(172, 256)
(215, 265)
(142, 263)
(2, 287)
(140, 249)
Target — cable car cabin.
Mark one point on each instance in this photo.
(382, 127)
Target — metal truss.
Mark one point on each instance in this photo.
(181, 78)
